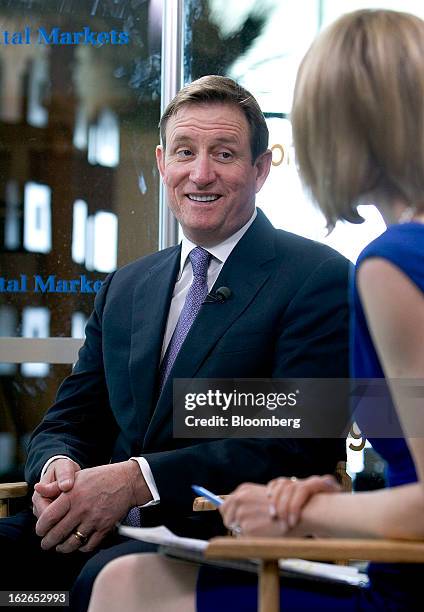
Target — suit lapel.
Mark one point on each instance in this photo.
(244, 273)
(152, 298)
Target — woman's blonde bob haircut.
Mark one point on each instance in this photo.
(358, 113)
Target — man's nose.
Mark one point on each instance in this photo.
(202, 170)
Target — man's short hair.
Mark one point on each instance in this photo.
(212, 89)
(358, 113)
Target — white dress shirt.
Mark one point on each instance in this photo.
(220, 254)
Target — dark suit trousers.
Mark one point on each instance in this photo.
(26, 567)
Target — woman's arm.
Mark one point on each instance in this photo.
(390, 513)
(394, 308)
(397, 512)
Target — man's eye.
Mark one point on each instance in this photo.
(225, 155)
(184, 153)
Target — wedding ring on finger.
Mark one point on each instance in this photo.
(82, 539)
(293, 478)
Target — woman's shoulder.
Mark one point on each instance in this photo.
(402, 245)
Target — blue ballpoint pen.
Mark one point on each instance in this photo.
(215, 499)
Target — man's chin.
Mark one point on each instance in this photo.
(203, 234)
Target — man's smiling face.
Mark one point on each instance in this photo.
(208, 170)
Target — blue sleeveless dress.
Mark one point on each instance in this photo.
(393, 587)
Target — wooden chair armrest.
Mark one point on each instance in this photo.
(201, 504)
(9, 490)
(13, 489)
(317, 549)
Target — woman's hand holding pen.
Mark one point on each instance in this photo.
(246, 512)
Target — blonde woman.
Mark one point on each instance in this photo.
(358, 125)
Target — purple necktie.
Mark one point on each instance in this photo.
(196, 295)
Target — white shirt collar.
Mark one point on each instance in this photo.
(219, 251)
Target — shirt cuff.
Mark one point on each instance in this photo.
(46, 465)
(150, 481)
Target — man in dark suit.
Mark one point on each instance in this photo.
(106, 445)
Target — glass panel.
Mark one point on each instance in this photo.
(79, 108)
(79, 189)
(261, 45)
